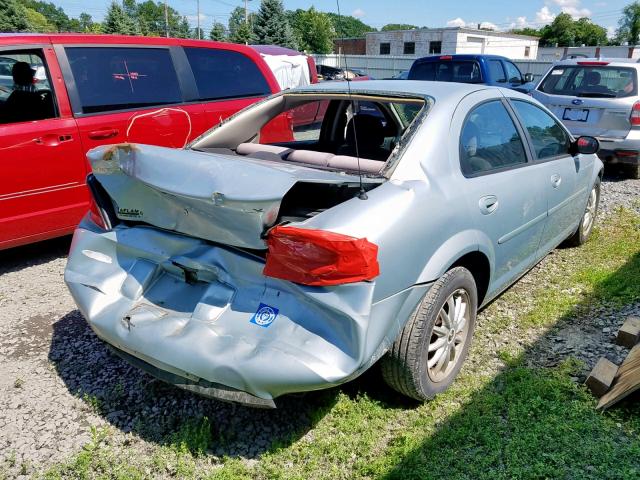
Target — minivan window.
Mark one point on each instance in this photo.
(116, 78)
(548, 137)
(447, 71)
(224, 74)
(489, 140)
(591, 81)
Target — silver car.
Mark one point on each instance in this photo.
(244, 270)
(599, 98)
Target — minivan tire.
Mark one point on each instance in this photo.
(583, 232)
(405, 367)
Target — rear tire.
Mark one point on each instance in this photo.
(431, 348)
(588, 219)
(632, 171)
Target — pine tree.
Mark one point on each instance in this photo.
(271, 25)
(243, 34)
(218, 33)
(118, 22)
(183, 30)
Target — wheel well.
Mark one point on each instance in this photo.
(478, 264)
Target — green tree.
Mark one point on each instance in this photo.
(118, 22)
(218, 32)
(313, 30)
(271, 26)
(629, 25)
(183, 30)
(237, 21)
(347, 26)
(530, 32)
(13, 17)
(398, 26)
(38, 22)
(54, 15)
(561, 31)
(243, 34)
(86, 22)
(588, 33)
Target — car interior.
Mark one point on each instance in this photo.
(342, 134)
(24, 97)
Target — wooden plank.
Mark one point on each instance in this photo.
(601, 377)
(629, 333)
(627, 380)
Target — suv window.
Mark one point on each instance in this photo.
(224, 74)
(548, 137)
(497, 72)
(116, 78)
(489, 140)
(25, 89)
(446, 71)
(513, 74)
(591, 81)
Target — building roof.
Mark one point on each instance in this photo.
(492, 33)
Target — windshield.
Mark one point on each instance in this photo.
(591, 81)
(447, 71)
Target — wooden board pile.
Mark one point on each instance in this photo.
(610, 382)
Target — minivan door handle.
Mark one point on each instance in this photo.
(103, 134)
(488, 204)
(556, 180)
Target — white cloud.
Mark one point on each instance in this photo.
(520, 22)
(572, 7)
(488, 25)
(358, 13)
(611, 32)
(456, 22)
(544, 15)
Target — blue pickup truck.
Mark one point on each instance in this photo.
(484, 69)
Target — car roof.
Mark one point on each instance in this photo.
(463, 56)
(420, 88)
(622, 62)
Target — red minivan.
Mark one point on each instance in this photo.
(61, 95)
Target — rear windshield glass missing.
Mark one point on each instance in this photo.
(447, 71)
(590, 81)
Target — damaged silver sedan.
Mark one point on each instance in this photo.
(244, 271)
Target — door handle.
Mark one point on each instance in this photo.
(53, 139)
(488, 204)
(556, 180)
(103, 134)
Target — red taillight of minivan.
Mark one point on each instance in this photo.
(635, 114)
(318, 257)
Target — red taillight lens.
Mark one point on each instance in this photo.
(635, 114)
(319, 258)
(95, 214)
(446, 57)
(592, 63)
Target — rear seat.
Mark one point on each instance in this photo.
(310, 157)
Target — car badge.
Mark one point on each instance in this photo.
(577, 101)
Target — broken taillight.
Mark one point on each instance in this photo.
(95, 214)
(318, 257)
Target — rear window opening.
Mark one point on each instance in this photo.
(330, 132)
(591, 81)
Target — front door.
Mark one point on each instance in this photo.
(42, 192)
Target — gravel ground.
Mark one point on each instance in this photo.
(57, 379)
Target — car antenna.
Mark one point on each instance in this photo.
(362, 194)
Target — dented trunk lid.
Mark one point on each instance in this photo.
(226, 199)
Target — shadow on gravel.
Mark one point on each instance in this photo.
(533, 422)
(15, 259)
(135, 402)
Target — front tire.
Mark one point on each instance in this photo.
(588, 219)
(431, 348)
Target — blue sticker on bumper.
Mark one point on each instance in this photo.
(265, 315)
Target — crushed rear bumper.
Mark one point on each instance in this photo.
(204, 318)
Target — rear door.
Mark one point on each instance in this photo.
(591, 98)
(567, 178)
(128, 94)
(503, 186)
(42, 192)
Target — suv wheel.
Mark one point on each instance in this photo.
(432, 346)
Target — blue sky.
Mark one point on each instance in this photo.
(502, 14)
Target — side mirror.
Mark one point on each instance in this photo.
(585, 145)
(516, 80)
(528, 77)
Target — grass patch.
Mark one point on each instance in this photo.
(522, 422)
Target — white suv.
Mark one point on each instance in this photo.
(598, 98)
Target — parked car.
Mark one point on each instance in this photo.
(326, 72)
(481, 69)
(93, 90)
(403, 75)
(599, 98)
(290, 67)
(269, 268)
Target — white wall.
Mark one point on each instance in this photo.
(492, 44)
